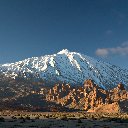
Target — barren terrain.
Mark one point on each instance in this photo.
(18, 119)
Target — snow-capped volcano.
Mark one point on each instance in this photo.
(69, 67)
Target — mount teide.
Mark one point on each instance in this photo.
(68, 67)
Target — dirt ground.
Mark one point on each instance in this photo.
(62, 120)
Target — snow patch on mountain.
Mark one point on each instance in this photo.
(69, 67)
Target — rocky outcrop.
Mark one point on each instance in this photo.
(107, 108)
(21, 94)
(89, 97)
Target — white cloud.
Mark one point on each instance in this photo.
(125, 44)
(119, 50)
(102, 52)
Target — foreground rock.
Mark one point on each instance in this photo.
(107, 108)
(90, 97)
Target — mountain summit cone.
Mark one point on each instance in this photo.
(67, 67)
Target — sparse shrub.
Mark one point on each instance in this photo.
(21, 117)
(32, 126)
(5, 115)
(27, 118)
(2, 119)
(17, 125)
(37, 117)
(18, 115)
(47, 116)
(22, 121)
(77, 125)
(79, 121)
(119, 120)
(64, 118)
(13, 117)
(32, 120)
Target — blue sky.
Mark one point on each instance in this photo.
(97, 28)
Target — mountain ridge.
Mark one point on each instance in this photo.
(68, 67)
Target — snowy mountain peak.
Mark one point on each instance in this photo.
(69, 67)
(64, 51)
